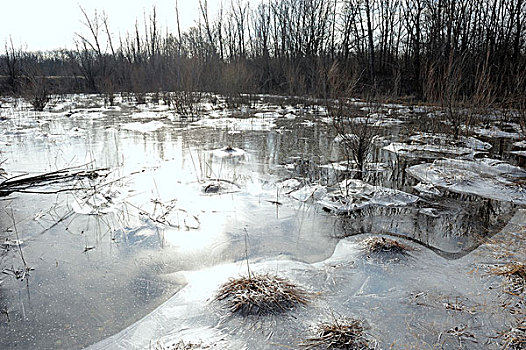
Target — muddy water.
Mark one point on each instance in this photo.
(173, 201)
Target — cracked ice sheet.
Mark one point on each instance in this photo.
(355, 194)
(487, 178)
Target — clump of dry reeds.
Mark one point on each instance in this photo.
(260, 294)
(180, 345)
(382, 245)
(346, 334)
(514, 338)
(515, 274)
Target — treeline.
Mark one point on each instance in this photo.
(447, 51)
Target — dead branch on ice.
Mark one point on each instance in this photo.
(60, 180)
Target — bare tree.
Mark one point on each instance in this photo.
(94, 53)
(34, 86)
(12, 66)
(355, 133)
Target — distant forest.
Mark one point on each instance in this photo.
(461, 52)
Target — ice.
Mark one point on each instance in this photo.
(228, 152)
(443, 139)
(267, 115)
(355, 194)
(512, 131)
(376, 119)
(436, 145)
(149, 115)
(345, 138)
(427, 189)
(144, 127)
(290, 184)
(519, 153)
(426, 151)
(238, 124)
(487, 178)
(11, 243)
(104, 201)
(150, 108)
(351, 165)
(390, 297)
(87, 114)
(305, 193)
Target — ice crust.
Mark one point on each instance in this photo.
(353, 194)
(487, 178)
(404, 302)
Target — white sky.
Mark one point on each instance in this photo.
(51, 24)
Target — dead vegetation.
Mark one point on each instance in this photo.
(515, 337)
(343, 333)
(180, 345)
(381, 245)
(260, 294)
(515, 275)
(26, 183)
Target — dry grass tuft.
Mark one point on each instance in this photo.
(347, 334)
(515, 274)
(260, 294)
(180, 345)
(381, 245)
(515, 338)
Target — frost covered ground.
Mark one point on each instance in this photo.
(131, 253)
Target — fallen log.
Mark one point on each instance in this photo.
(26, 183)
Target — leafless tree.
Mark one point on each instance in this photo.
(12, 66)
(34, 84)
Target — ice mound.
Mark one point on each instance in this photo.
(354, 194)
(228, 152)
(428, 145)
(305, 193)
(488, 178)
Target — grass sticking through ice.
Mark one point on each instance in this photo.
(341, 333)
(381, 245)
(180, 345)
(260, 294)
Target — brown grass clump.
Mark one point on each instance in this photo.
(260, 294)
(515, 274)
(345, 334)
(181, 345)
(515, 338)
(381, 245)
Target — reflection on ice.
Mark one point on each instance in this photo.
(182, 201)
(391, 298)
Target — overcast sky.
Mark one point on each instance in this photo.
(52, 24)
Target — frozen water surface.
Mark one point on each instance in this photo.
(133, 258)
(486, 178)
